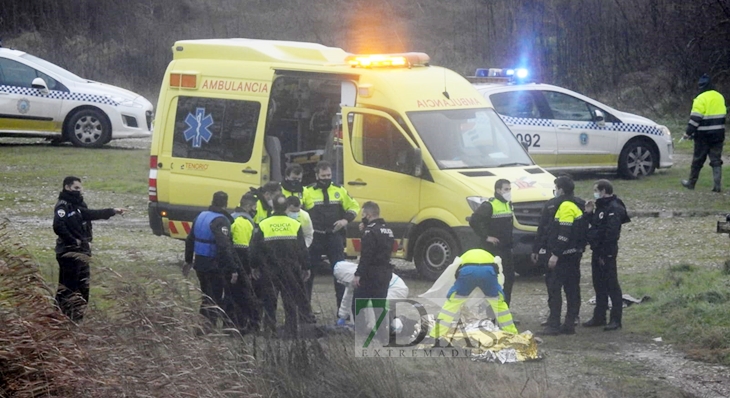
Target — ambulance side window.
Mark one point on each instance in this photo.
(383, 145)
(215, 129)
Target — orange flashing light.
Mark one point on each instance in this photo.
(387, 60)
(183, 80)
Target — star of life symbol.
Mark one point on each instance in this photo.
(198, 125)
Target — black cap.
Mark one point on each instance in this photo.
(704, 82)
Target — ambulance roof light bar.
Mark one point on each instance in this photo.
(403, 60)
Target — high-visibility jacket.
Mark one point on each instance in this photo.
(242, 229)
(493, 218)
(263, 211)
(707, 120)
(278, 243)
(567, 235)
(328, 206)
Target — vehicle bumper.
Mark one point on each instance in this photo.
(131, 122)
(153, 210)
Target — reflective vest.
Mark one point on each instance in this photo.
(477, 257)
(261, 213)
(571, 229)
(204, 239)
(325, 210)
(242, 229)
(287, 193)
(279, 227)
(708, 116)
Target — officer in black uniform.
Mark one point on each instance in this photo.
(280, 257)
(492, 223)
(606, 216)
(374, 270)
(72, 223)
(210, 248)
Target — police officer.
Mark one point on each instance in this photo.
(265, 196)
(477, 270)
(280, 255)
(707, 128)
(606, 216)
(374, 270)
(294, 210)
(241, 303)
(331, 209)
(492, 222)
(210, 246)
(565, 246)
(292, 185)
(72, 224)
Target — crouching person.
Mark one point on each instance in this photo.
(280, 257)
(477, 270)
(344, 271)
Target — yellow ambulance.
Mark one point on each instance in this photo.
(417, 139)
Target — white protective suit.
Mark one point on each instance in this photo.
(345, 272)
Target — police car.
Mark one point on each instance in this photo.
(40, 99)
(564, 130)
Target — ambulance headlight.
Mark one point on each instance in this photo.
(475, 201)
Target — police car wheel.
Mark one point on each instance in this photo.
(435, 250)
(637, 160)
(88, 128)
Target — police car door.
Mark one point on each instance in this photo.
(379, 161)
(581, 141)
(23, 108)
(521, 111)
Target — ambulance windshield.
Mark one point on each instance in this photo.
(468, 138)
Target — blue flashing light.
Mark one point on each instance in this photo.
(522, 73)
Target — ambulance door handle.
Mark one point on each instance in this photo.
(361, 183)
(249, 171)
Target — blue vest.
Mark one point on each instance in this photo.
(204, 240)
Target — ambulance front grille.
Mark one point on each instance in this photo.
(528, 213)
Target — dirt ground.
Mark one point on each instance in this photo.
(616, 364)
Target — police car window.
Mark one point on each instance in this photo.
(566, 107)
(16, 74)
(468, 138)
(215, 129)
(382, 145)
(515, 104)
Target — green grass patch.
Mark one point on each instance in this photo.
(688, 307)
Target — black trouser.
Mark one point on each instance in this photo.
(289, 284)
(373, 285)
(330, 245)
(508, 269)
(212, 285)
(702, 149)
(72, 295)
(240, 302)
(605, 283)
(565, 276)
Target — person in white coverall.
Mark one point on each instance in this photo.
(344, 272)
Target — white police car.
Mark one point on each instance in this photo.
(40, 99)
(564, 130)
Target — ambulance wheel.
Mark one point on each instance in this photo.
(88, 128)
(435, 250)
(637, 159)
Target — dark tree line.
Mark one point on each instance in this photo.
(644, 53)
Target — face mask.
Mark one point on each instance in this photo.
(252, 213)
(270, 202)
(597, 195)
(556, 193)
(507, 196)
(324, 183)
(293, 214)
(294, 183)
(365, 221)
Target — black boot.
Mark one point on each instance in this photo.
(717, 178)
(594, 322)
(689, 184)
(694, 175)
(614, 325)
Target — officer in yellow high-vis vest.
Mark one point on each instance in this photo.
(280, 255)
(707, 128)
(241, 303)
(492, 223)
(265, 195)
(477, 270)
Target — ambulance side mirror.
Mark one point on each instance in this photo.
(40, 85)
(417, 162)
(599, 118)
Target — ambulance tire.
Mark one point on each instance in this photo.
(435, 250)
(88, 128)
(637, 159)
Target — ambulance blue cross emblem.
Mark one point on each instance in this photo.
(198, 125)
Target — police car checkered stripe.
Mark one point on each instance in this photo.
(55, 94)
(624, 127)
